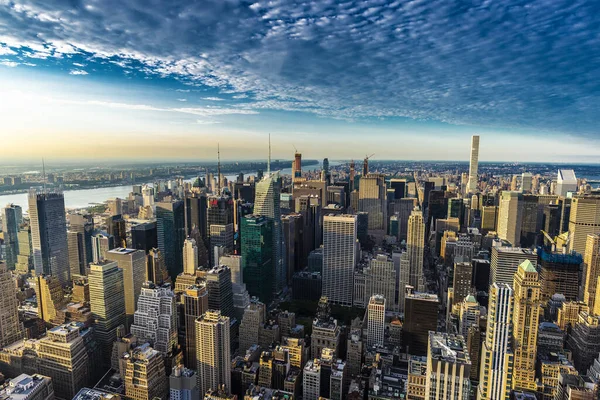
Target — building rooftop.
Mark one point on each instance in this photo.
(23, 386)
(451, 348)
(527, 266)
(95, 394)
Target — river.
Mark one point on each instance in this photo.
(86, 197)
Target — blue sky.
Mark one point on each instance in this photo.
(401, 79)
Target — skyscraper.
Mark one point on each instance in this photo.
(13, 214)
(565, 182)
(144, 236)
(195, 303)
(11, 328)
(107, 303)
(339, 257)
(448, 368)
(170, 224)
(584, 220)
(420, 316)
(49, 235)
(496, 355)
(473, 164)
(592, 269)
(155, 320)
(376, 320)
(297, 167)
(505, 262)
(267, 204)
(115, 226)
(415, 247)
(257, 256)
(145, 377)
(526, 317)
(213, 351)
(372, 199)
(196, 214)
(133, 264)
(190, 256)
(50, 296)
(220, 292)
(510, 215)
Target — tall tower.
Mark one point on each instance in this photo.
(584, 220)
(297, 167)
(448, 367)
(213, 352)
(257, 256)
(133, 264)
(13, 215)
(170, 225)
(49, 235)
(592, 268)
(190, 257)
(11, 329)
(267, 203)
(195, 303)
(510, 215)
(376, 320)
(372, 199)
(107, 303)
(496, 355)
(473, 164)
(339, 257)
(415, 246)
(526, 317)
(145, 376)
(155, 320)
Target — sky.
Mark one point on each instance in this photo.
(168, 80)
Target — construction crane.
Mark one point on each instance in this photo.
(366, 164)
(561, 240)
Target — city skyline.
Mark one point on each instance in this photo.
(170, 81)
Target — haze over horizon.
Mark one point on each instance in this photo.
(404, 80)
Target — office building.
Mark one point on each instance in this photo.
(220, 291)
(51, 298)
(526, 316)
(133, 264)
(381, 278)
(49, 235)
(183, 384)
(559, 273)
(196, 205)
(416, 384)
(584, 340)
(107, 303)
(11, 219)
(461, 283)
(258, 264)
(488, 218)
(372, 199)
(497, 356)
(576, 387)
(592, 269)
(448, 368)
(415, 248)
(170, 225)
(505, 263)
(28, 387)
(253, 319)
(568, 313)
(190, 257)
(584, 220)
(145, 376)
(155, 320)
(297, 167)
(339, 257)
(144, 236)
(76, 246)
(156, 270)
(473, 165)
(25, 257)
(420, 316)
(510, 216)
(566, 182)
(376, 321)
(213, 351)
(115, 226)
(101, 243)
(11, 329)
(195, 303)
(267, 203)
(234, 262)
(325, 331)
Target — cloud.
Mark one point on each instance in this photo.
(181, 99)
(6, 51)
(79, 65)
(212, 98)
(512, 63)
(77, 72)
(10, 64)
(206, 122)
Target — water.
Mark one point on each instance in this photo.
(87, 197)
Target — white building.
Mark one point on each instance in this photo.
(566, 182)
(339, 257)
(510, 216)
(376, 321)
(190, 256)
(473, 164)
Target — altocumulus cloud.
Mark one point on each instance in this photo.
(510, 63)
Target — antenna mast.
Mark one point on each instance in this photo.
(218, 168)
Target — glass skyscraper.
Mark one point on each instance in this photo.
(257, 256)
(170, 223)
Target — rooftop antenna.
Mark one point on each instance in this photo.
(218, 168)
(44, 174)
(269, 160)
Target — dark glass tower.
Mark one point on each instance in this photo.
(257, 256)
(170, 225)
(144, 236)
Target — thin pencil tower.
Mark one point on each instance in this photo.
(44, 174)
(218, 168)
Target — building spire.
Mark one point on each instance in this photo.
(269, 160)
